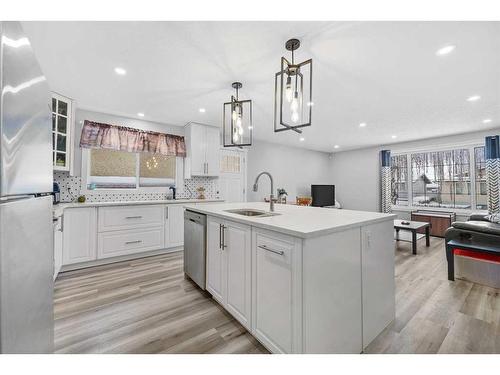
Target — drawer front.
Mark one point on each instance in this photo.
(117, 243)
(130, 217)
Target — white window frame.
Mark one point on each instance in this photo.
(178, 180)
(69, 132)
(435, 148)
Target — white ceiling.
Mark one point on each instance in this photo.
(385, 74)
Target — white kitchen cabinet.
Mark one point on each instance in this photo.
(238, 256)
(215, 271)
(378, 278)
(132, 241)
(174, 225)
(79, 235)
(58, 246)
(203, 147)
(276, 290)
(63, 110)
(130, 217)
(229, 267)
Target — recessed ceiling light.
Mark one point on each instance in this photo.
(140, 114)
(336, 146)
(120, 71)
(473, 98)
(362, 125)
(486, 121)
(394, 136)
(202, 110)
(302, 139)
(445, 50)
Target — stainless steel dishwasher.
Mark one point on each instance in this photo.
(195, 241)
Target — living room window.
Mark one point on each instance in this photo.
(110, 169)
(480, 177)
(447, 179)
(399, 178)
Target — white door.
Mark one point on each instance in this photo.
(238, 259)
(198, 149)
(273, 291)
(212, 150)
(79, 235)
(232, 179)
(175, 220)
(215, 269)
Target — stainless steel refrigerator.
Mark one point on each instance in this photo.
(26, 250)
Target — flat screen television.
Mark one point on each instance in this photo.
(323, 195)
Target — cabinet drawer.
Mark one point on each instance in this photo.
(129, 217)
(112, 244)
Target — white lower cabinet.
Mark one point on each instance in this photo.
(79, 235)
(229, 267)
(126, 242)
(174, 225)
(276, 292)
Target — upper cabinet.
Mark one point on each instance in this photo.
(203, 145)
(62, 137)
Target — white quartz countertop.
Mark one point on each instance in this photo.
(299, 221)
(59, 208)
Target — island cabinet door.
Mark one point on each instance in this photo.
(276, 301)
(236, 244)
(215, 269)
(377, 257)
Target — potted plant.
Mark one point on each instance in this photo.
(282, 194)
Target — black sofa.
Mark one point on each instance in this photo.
(477, 235)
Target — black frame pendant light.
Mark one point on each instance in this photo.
(293, 93)
(237, 128)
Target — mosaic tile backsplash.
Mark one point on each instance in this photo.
(71, 187)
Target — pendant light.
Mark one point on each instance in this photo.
(237, 120)
(293, 92)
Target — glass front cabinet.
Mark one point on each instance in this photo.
(62, 119)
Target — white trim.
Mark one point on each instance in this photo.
(70, 125)
(436, 147)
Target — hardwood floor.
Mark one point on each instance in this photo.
(434, 315)
(142, 306)
(146, 306)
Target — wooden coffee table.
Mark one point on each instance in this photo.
(413, 227)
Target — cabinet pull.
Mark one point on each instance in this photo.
(279, 252)
(130, 242)
(220, 236)
(166, 214)
(223, 238)
(133, 217)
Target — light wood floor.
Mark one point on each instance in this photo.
(146, 306)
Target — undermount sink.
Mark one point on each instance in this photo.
(251, 212)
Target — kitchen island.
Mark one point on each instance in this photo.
(302, 279)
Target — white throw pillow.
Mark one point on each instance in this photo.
(494, 218)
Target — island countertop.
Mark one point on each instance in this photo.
(298, 221)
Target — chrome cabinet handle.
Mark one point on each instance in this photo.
(133, 217)
(279, 252)
(223, 237)
(136, 241)
(220, 236)
(166, 214)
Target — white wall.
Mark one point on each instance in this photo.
(292, 168)
(356, 174)
(82, 115)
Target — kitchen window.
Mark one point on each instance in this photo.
(110, 169)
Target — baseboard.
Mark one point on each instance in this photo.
(100, 262)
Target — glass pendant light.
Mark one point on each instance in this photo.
(293, 92)
(237, 120)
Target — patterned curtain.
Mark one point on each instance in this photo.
(120, 138)
(385, 179)
(492, 155)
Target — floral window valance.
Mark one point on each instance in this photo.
(112, 137)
